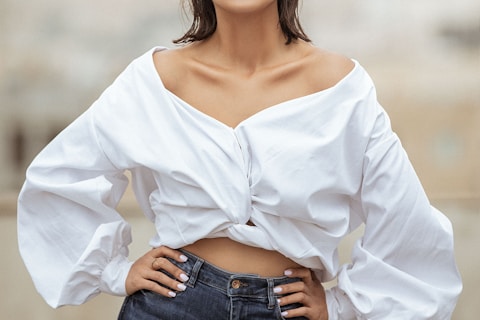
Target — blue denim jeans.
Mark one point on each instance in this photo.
(211, 294)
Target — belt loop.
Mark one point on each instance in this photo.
(271, 296)
(195, 270)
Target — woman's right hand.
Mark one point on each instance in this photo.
(145, 273)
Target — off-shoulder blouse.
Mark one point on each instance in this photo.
(306, 172)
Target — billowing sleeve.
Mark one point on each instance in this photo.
(403, 267)
(71, 238)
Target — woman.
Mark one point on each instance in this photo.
(254, 153)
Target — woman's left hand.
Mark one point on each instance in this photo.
(309, 292)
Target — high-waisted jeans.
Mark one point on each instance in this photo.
(211, 294)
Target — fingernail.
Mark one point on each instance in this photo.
(278, 301)
(181, 287)
(172, 294)
(184, 277)
(183, 258)
(284, 313)
(277, 290)
(287, 272)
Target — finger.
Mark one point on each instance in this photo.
(165, 265)
(166, 281)
(163, 251)
(304, 273)
(298, 297)
(157, 288)
(298, 312)
(288, 288)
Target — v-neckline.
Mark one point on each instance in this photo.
(255, 114)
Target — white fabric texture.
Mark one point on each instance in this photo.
(306, 172)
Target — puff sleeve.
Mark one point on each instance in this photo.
(71, 238)
(403, 267)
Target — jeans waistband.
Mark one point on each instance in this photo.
(232, 284)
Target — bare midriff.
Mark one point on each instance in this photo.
(236, 257)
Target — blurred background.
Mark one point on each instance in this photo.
(56, 57)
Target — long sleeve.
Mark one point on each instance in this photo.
(72, 240)
(403, 267)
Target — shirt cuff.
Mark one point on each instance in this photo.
(115, 275)
(339, 305)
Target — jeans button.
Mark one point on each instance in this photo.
(236, 284)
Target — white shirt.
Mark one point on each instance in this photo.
(306, 172)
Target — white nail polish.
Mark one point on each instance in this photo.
(284, 313)
(184, 277)
(277, 290)
(172, 294)
(183, 258)
(181, 287)
(287, 272)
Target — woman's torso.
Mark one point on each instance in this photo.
(230, 96)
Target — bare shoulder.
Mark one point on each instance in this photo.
(327, 68)
(170, 66)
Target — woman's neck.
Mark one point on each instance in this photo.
(246, 42)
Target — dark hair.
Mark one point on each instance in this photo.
(204, 21)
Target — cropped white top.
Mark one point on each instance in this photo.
(306, 172)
